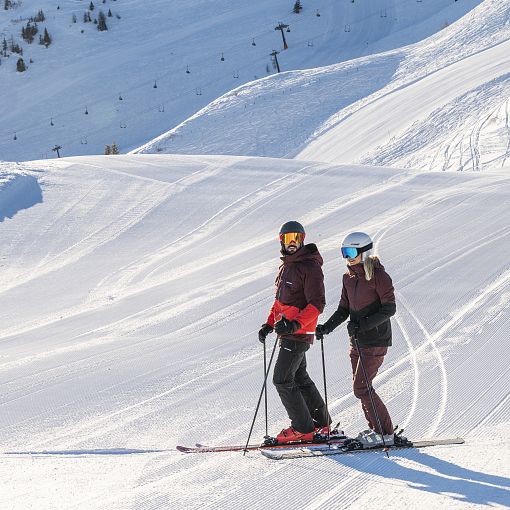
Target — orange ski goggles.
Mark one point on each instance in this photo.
(297, 237)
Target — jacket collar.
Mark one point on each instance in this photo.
(356, 270)
(307, 252)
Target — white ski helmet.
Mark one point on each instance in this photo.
(356, 243)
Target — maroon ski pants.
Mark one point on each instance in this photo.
(372, 359)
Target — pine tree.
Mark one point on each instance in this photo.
(20, 66)
(115, 149)
(101, 24)
(107, 150)
(28, 33)
(91, 6)
(110, 13)
(15, 47)
(7, 4)
(47, 38)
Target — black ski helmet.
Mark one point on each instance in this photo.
(291, 227)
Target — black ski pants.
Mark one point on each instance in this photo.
(299, 395)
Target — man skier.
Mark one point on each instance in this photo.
(299, 301)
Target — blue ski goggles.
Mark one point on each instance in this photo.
(350, 253)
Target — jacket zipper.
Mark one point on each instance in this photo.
(279, 289)
(355, 293)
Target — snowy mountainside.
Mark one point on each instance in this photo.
(375, 109)
(153, 44)
(131, 296)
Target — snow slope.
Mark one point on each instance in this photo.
(440, 104)
(154, 42)
(131, 294)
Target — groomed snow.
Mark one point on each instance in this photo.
(131, 295)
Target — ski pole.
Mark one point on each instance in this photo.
(265, 386)
(370, 389)
(260, 396)
(325, 385)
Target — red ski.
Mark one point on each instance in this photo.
(199, 448)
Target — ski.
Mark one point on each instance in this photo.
(318, 450)
(200, 448)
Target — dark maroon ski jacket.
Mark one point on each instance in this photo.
(300, 292)
(371, 303)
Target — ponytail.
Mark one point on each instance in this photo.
(369, 264)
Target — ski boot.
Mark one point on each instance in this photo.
(368, 439)
(326, 433)
(291, 436)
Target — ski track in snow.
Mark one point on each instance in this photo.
(241, 207)
(429, 339)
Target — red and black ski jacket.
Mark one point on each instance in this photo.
(300, 292)
(370, 303)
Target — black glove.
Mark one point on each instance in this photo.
(353, 328)
(264, 331)
(286, 327)
(321, 330)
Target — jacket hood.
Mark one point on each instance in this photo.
(307, 252)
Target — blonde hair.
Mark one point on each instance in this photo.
(369, 264)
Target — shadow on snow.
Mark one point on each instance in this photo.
(439, 477)
(97, 451)
(22, 192)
